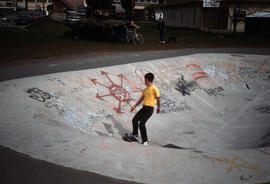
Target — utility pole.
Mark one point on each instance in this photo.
(43, 5)
(132, 10)
(26, 4)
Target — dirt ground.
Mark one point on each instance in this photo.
(48, 39)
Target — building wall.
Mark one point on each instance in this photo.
(33, 4)
(188, 16)
(249, 9)
(214, 19)
(147, 1)
(59, 6)
(8, 4)
(192, 16)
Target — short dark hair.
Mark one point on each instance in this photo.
(149, 76)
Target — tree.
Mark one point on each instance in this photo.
(128, 5)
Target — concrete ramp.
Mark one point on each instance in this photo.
(214, 125)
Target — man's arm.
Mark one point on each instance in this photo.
(138, 103)
(158, 104)
(134, 25)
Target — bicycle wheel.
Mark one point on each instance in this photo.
(138, 39)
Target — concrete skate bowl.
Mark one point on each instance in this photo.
(209, 102)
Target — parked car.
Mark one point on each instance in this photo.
(24, 19)
(4, 20)
(120, 14)
(36, 15)
(72, 16)
(81, 10)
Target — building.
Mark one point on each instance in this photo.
(140, 11)
(6, 5)
(35, 4)
(226, 16)
(63, 5)
(258, 23)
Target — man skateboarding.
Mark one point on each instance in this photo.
(150, 96)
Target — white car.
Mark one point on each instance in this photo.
(72, 16)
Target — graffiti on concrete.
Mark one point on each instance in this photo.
(253, 73)
(38, 94)
(169, 105)
(265, 140)
(265, 109)
(84, 149)
(213, 70)
(61, 109)
(48, 121)
(196, 71)
(237, 163)
(186, 87)
(57, 95)
(108, 127)
(56, 79)
(102, 134)
(264, 152)
(215, 92)
(65, 111)
(39, 116)
(116, 91)
(79, 118)
(79, 89)
(133, 85)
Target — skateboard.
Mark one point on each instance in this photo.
(127, 138)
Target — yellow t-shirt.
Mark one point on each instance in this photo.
(150, 95)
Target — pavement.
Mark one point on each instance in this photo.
(20, 168)
(213, 126)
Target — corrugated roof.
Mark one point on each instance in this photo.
(260, 14)
(177, 2)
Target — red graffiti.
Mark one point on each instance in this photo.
(134, 85)
(117, 91)
(84, 149)
(264, 152)
(198, 74)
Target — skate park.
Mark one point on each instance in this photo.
(213, 127)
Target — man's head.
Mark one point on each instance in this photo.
(149, 78)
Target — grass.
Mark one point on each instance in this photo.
(46, 39)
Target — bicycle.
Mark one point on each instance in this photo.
(134, 37)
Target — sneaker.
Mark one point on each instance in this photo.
(145, 143)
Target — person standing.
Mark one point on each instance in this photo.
(150, 97)
(161, 28)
